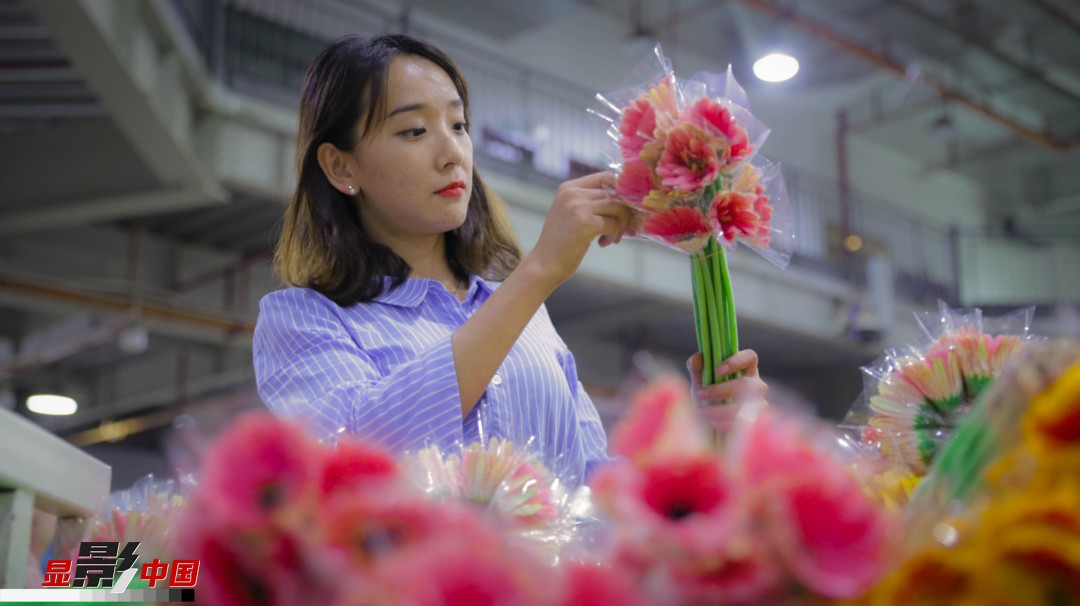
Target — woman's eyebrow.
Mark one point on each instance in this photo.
(411, 107)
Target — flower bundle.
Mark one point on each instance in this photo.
(915, 397)
(508, 485)
(685, 151)
(141, 513)
(779, 518)
(997, 520)
(279, 518)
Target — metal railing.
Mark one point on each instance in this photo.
(534, 122)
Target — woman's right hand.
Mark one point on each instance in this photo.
(583, 210)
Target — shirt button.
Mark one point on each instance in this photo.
(496, 380)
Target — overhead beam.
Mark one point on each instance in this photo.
(101, 210)
(1030, 71)
(887, 62)
(106, 42)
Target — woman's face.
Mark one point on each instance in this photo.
(415, 170)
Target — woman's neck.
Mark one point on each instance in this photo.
(426, 259)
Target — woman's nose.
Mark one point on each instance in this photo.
(452, 152)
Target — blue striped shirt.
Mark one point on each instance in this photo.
(384, 371)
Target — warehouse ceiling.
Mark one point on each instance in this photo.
(986, 88)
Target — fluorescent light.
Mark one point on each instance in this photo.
(776, 67)
(49, 404)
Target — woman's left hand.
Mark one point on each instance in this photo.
(719, 404)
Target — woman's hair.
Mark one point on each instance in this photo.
(323, 243)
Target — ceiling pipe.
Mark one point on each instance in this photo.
(1058, 14)
(889, 63)
(1030, 71)
(229, 324)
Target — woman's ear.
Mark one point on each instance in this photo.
(339, 168)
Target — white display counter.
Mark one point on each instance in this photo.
(38, 469)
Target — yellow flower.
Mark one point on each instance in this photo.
(935, 576)
(1053, 420)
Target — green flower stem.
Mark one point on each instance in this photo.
(701, 320)
(713, 311)
(727, 297)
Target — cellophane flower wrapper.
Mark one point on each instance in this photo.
(654, 87)
(777, 517)
(507, 483)
(997, 519)
(144, 513)
(686, 155)
(914, 396)
(278, 517)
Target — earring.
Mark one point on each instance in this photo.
(352, 190)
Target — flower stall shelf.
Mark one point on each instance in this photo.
(40, 470)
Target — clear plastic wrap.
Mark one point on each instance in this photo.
(915, 396)
(508, 484)
(997, 519)
(776, 517)
(144, 513)
(687, 156)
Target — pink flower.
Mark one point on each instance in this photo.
(744, 572)
(682, 227)
(734, 215)
(352, 465)
(637, 127)
(833, 537)
(717, 120)
(661, 424)
(374, 526)
(454, 571)
(676, 507)
(593, 585)
(635, 182)
(937, 376)
(691, 159)
(262, 472)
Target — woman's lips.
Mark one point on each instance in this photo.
(452, 190)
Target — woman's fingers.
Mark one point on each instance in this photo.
(744, 361)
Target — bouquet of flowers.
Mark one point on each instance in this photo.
(686, 154)
(997, 520)
(778, 518)
(915, 397)
(507, 484)
(141, 513)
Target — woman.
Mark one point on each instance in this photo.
(395, 329)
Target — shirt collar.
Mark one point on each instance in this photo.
(412, 291)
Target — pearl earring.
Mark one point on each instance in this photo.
(352, 190)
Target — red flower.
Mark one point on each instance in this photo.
(456, 571)
(716, 119)
(677, 507)
(832, 536)
(353, 464)
(692, 159)
(261, 472)
(744, 572)
(661, 424)
(682, 227)
(592, 585)
(733, 215)
(635, 182)
(372, 527)
(637, 128)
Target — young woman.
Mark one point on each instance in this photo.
(413, 318)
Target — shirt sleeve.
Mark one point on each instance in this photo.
(590, 427)
(307, 365)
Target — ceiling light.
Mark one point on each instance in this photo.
(776, 67)
(50, 404)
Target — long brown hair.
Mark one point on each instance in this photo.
(323, 243)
